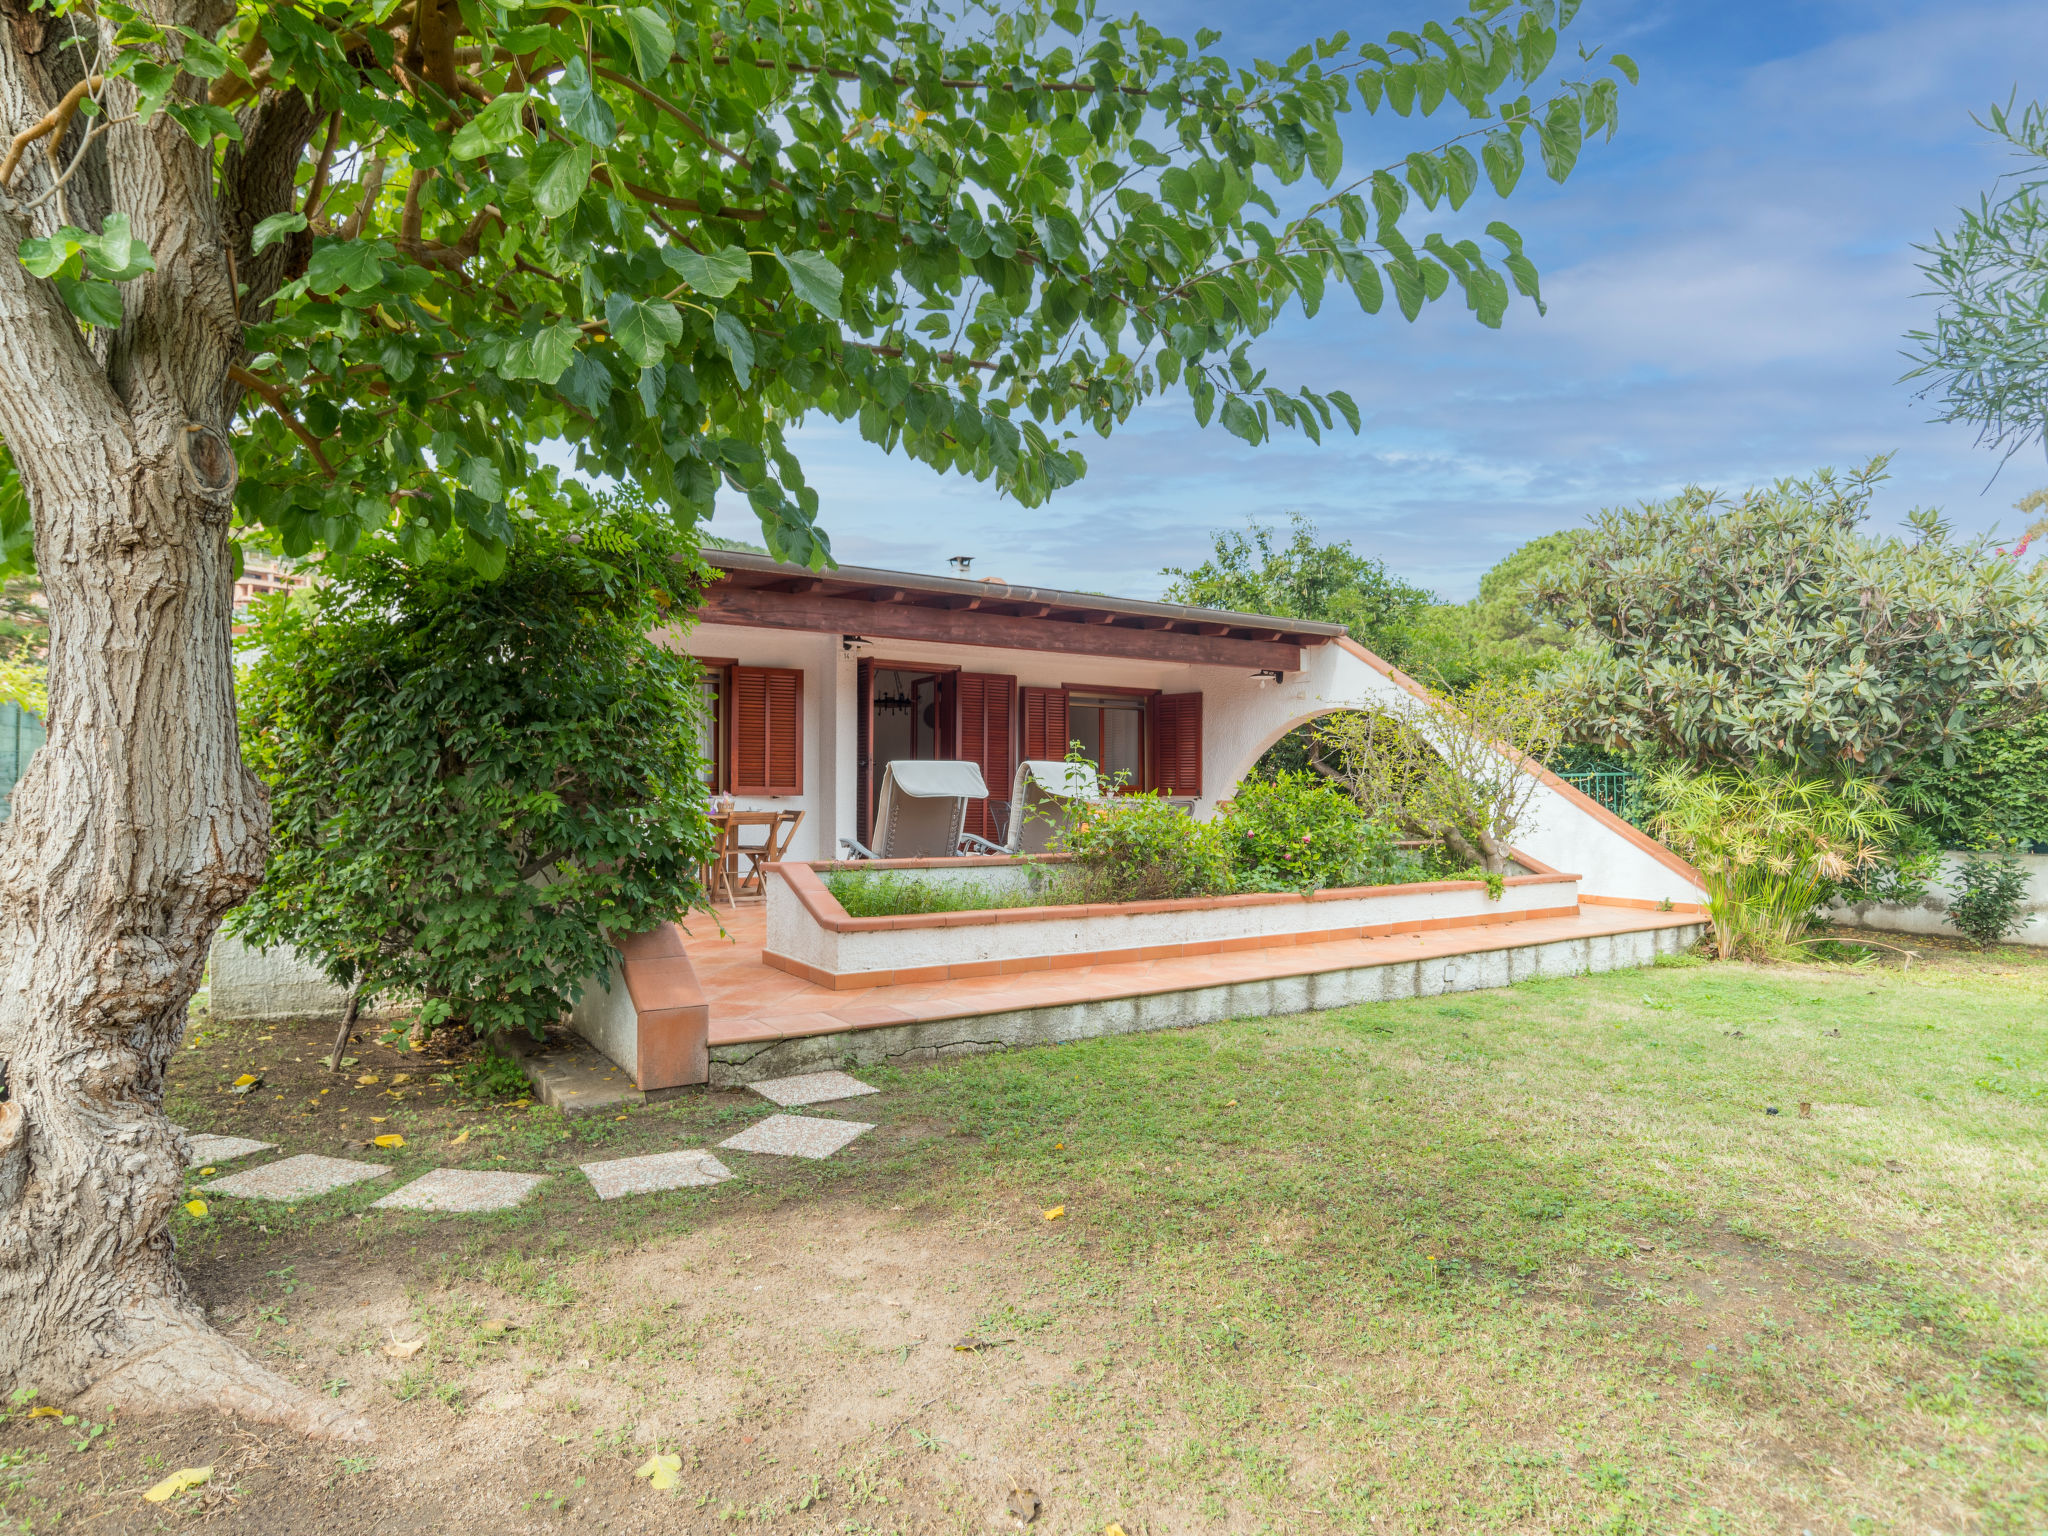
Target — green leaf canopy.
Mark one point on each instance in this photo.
(662, 235)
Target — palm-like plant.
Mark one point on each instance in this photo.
(1769, 844)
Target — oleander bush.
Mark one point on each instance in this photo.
(1143, 848)
(1299, 831)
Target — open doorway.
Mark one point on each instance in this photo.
(904, 714)
(909, 717)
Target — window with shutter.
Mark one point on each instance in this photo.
(766, 711)
(985, 737)
(1044, 711)
(1176, 730)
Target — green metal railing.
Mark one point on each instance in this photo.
(20, 734)
(1620, 791)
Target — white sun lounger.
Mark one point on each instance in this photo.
(1039, 795)
(922, 810)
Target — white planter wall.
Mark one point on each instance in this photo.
(825, 941)
(1931, 914)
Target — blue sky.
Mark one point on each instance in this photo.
(1728, 283)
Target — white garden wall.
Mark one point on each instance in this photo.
(1930, 915)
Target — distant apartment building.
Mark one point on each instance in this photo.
(261, 576)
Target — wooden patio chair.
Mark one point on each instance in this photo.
(772, 850)
(744, 858)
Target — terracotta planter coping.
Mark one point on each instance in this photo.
(968, 970)
(827, 913)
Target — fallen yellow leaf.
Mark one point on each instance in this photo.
(366, 1079)
(378, 1119)
(1059, 1146)
(390, 1141)
(403, 1349)
(178, 1482)
(456, 1141)
(205, 1171)
(245, 1079)
(400, 1077)
(196, 1207)
(1055, 1213)
(1112, 1529)
(46, 1413)
(660, 1471)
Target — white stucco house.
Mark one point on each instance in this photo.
(815, 682)
(818, 680)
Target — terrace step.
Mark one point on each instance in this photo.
(767, 1023)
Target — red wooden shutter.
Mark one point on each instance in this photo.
(1045, 723)
(864, 748)
(985, 738)
(1176, 728)
(767, 731)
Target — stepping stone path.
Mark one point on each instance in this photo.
(207, 1148)
(296, 1178)
(650, 1175)
(465, 1190)
(796, 1136)
(461, 1189)
(811, 1088)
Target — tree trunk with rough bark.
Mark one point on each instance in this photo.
(136, 827)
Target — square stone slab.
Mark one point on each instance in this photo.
(654, 1173)
(295, 1178)
(208, 1148)
(796, 1136)
(462, 1189)
(811, 1088)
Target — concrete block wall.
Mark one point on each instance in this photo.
(279, 983)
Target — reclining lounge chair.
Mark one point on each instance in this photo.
(922, 810)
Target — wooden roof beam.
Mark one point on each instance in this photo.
(752, 606)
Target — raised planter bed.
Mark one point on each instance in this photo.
(810, 934)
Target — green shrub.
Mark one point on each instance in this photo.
(475, 783)
(1775, 630)
(1144, 848)
(1301, 832)
(1990, 900)
(491, 1076)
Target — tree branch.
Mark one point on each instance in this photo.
(52, 121)
(275, 398)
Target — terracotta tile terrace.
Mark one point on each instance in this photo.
(753, 1002)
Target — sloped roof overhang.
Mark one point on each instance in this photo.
(761, 592)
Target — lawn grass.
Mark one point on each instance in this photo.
(1544, 1255)
(1533, 1260)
